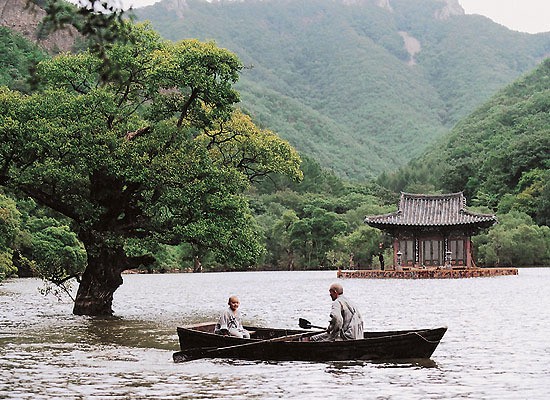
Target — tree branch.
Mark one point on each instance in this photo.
(138, 132)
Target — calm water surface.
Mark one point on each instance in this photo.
(497, 345)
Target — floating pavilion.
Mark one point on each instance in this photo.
(431, 237)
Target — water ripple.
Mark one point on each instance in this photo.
(496, 347)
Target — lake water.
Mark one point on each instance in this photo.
(497, 345)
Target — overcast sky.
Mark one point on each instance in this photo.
(520, 15)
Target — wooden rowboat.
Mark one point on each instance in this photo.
(199, 341)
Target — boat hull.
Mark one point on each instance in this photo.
(265, 345)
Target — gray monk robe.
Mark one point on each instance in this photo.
(345, 322)
(230, 322)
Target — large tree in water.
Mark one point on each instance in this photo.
(149, 150)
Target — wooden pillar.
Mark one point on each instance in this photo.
(416, 244)
(395, 250)
(468, 252)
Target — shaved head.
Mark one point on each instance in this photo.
(337, 288)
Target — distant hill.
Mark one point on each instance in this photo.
(362, 86)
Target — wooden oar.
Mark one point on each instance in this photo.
(305, 324)
(199, 352)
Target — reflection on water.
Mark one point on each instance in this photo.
(128, 332)
(496, 346)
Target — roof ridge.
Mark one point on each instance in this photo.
(432, 196)
(416, 209)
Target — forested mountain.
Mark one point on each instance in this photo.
(499, 155)
(361, 86)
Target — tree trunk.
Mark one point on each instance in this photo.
(197, 266)
(100, 280)
(290, 255)
(95, 292)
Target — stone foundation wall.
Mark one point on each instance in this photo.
(430, 273)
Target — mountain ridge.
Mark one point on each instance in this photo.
(350, 74)
(363, 86)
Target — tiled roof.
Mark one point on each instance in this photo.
(431, 210)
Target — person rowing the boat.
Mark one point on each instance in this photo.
(346, 322)
(229, 323)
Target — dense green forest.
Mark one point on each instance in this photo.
(17, 58)
(103, 169)
(335, 79)
(134, 145)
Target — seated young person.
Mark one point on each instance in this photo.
(229, 323)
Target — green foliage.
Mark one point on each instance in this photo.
(334, 79)
(129, 153)
(515, 241)
(36, 242)
(82, 158)
(9, 226)
(255, 152)
(17, 58)
(360, 246)
(315, 226)
(99, 22)
(58, 254)
(313, 235)
(150, 126)
(499, 156)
